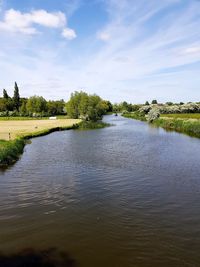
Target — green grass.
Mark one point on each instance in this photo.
(182, 116)
(135, 115)
(189, 127)
(10, 151)
(91, 125)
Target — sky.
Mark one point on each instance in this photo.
(122, 50)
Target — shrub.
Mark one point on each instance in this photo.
(153, 115)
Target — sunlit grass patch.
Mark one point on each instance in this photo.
(183, 115)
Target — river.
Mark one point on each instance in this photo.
(122, 196)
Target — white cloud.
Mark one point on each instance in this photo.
(16, 21)
(52, 20)
(69, 34)
(104, 36)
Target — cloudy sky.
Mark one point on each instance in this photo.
(133, 50)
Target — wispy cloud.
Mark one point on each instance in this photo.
(144, 50)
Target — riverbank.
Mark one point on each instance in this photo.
(183, 123)
(10, 150)
(19, 132)
(135, 115)
(190, 127)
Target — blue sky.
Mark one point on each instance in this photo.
(133, 50)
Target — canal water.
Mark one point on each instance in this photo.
(127, 195)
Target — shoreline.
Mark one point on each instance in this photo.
(187, 126)
(10, 151)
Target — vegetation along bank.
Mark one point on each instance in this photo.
(182, 118)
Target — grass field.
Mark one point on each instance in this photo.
(25, 127)
(182, 116)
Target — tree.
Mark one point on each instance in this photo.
(153, 115)
(154, 102)
(16, 97)
(36, 104)
(146, 103)
(88, 107)
(169, 103)
(5, 94)
(23, 102)
(55, 107)
(3, 105)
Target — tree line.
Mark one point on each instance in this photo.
(80, 105)
(33, 106)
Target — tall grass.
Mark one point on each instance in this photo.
(189, 127)
(11, 150)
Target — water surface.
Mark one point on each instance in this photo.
(127, 195)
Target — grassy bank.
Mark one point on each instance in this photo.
(188, 123)
(90, 125)
(187, 126)
(10, 151)
(135, 115)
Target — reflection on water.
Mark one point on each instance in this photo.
(126, 195)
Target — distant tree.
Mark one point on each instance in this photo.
(55, 107)
(146, 103)
(16, 97)
(154, 102)
(23, 102)
(36, 104)
(181, 103)
(169, 103)
(135, 108)
(3, 105)
(5, 94)
(88, 107)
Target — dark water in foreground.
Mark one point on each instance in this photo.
(127, 195)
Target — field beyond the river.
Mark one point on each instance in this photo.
(24, 127)
(182, 116)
